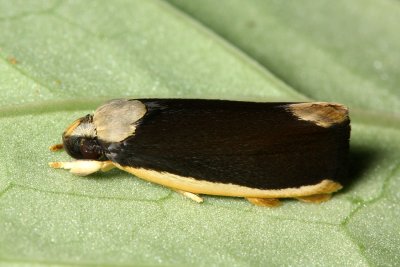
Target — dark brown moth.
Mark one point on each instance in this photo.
(259, 151)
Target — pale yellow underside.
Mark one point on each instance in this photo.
(192, 185)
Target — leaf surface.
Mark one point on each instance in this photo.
(60, 59)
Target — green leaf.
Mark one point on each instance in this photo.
(344, 51)
(60, 59)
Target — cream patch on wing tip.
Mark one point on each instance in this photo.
(323, 114)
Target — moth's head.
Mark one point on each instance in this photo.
(80, 139)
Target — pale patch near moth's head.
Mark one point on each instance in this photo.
(82, 127)
(323, 114)
(116, 119)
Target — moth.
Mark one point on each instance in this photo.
(259, 151)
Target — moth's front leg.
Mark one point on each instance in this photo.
(83, 167)
(56, 147)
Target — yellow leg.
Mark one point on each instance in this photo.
(315, 198)
(107, 165)
(83, 167)
(190, 195)
(264, 202)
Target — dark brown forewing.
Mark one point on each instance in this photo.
(260, 145)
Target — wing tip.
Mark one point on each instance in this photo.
(324, 114)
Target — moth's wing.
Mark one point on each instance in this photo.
(259, 145)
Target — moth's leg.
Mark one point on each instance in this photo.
(190, 195)
(315, 198)
(56, 147)
(83, 167)
(264, 202)
(107, 165)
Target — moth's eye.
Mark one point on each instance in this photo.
(72, 146)
(90, 149)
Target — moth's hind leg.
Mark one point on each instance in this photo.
(83, 167)
(315, 198)
(264, 202)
